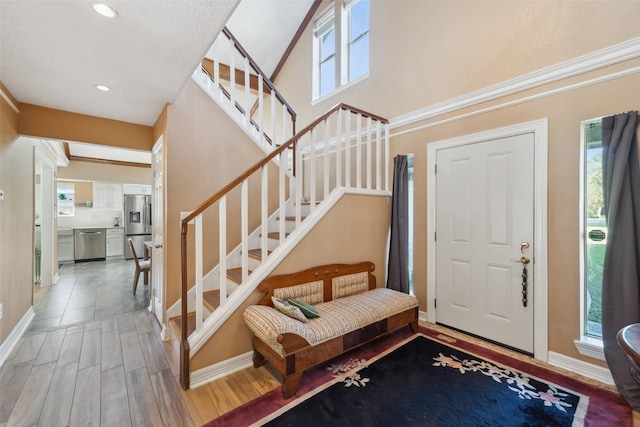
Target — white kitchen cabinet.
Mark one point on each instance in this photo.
(136, 189)
(107, 196)
(115, 242)
(65, 245)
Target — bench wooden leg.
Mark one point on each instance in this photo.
(258, 359)
(290, 384)
(414, 326)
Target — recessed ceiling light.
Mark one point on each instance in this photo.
(105, 10)
(103, 88)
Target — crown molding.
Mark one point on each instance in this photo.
(617, 53)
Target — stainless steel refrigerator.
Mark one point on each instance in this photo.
(137, 223)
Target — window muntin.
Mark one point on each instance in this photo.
(595, 228)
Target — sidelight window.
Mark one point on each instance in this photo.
(594, 228)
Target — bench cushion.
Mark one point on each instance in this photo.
(337, 317)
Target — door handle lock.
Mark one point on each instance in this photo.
(523, 259)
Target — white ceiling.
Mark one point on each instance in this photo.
(53, 53)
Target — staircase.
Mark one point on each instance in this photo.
(273, 204)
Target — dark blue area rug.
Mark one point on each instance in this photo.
(426, 383)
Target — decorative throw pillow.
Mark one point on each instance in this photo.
(288, 309)
(307, 309)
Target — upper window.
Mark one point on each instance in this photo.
(595, 227)
(358, 51)
(341, 46)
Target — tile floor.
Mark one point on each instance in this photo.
(87, 291)
(93, 356)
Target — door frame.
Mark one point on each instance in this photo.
(159, 268)
(540, 308)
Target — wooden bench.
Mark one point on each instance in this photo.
(348, 301)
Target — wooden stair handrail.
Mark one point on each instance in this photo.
(255, 66)
(227, 188)
(184, 340)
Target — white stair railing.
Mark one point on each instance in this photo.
(253, 93)
(321, 162)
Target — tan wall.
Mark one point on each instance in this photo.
(16, 221)
(90, 171)
(45, 122)
(453, 48)
(425, 52)
(205, 150)
(355, 230)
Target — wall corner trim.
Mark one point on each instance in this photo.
(7, 98)
(614, 54)
(12, 340)
(586, 369)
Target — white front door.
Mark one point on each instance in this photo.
(157, 254)
(484, 215)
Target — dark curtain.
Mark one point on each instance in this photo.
(621, 273)
(398, 273)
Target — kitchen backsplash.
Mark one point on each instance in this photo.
(89, 217)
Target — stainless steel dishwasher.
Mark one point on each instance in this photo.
(90, 244)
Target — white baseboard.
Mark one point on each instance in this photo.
(10, 343)
(589, 370)
(221, 369)
(422, 316)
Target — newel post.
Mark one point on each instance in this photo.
(184, 340)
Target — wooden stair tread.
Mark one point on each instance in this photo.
(291, 218)
(257, 253)
(211, 299)
(176, 322)
(276, 235)
(235, 274)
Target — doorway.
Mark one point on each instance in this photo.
(44, 202)
(487, 199)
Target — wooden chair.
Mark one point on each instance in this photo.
(143, 266)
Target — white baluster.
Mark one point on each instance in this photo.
(281, 193)
(199, 273)
(264, 208)
(369, 163)
(378, 156)
(386, 157)
(244, 228)
(247, 89)
(222, 248)
(232, 76)
(298, 180)
(347, 152)
(274, 139)
(216, 67)
(327, 153)
(261, 108)
(312, 172)
(358, 151)
(339, 149)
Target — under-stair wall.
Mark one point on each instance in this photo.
(356, 229)
(205, 149)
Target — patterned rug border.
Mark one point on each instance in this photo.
(579, 416)
(273, 404)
